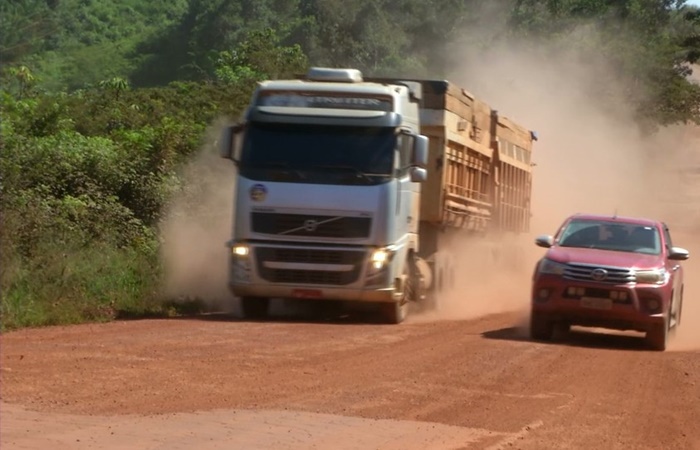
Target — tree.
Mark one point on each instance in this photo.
(25, 79)
(117, 85)
(259, 57)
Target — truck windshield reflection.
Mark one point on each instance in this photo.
(318, 153)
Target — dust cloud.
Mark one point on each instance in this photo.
(591, 157)
(196, 228)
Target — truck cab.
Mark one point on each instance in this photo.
(327, 201)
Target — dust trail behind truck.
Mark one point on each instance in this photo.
(347, 187)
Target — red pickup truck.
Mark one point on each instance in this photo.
(609, 272)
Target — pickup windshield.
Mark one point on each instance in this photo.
(318, 154)
(615, 236)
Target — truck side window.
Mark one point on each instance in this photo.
(404, 145)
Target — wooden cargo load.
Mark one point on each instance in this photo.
(480, 164)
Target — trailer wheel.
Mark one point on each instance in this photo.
(255, 307)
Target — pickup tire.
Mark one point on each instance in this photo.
(541, 327)
(255, 307)
(657, 337)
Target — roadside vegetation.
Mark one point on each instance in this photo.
(103, 102)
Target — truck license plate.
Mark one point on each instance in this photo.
(306, 293)
(596, 303)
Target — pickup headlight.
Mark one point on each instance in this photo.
(656, 276)
(547, 266)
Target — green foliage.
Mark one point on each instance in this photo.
(85, 179)
(104, 101)
(648, 43)
(74, 44)
(257, 58)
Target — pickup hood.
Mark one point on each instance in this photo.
(604, 258)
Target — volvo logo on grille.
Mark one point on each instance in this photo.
(599, 274)
(310, 225)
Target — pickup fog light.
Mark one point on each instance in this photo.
(657, 276)
(618, 295)
(653, 305)
(547, 266)
(240, 250)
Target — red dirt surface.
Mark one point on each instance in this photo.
(329, 381)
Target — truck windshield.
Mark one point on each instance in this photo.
(318, 153)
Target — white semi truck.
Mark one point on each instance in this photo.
(345, 186)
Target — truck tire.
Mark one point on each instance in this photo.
(541, 328)
(255, 307)
(396, 312)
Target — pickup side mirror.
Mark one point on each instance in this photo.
(228, 141)
(678, 254)
(544, 240)
(420, 151)
(418, 174)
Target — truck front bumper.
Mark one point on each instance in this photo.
(315, 292)
(278, 270)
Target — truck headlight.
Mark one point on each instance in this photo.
(240, 250)
(547, 266)
(381, 257)
(656, 276)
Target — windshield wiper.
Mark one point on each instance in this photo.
(277, 165)
(348, 169)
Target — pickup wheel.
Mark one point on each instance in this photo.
(657, 338)
(680, 309)
(255, 307)
(541, 328)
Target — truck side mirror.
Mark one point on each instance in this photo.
(420, 151)
(418, 174)
(228, 141)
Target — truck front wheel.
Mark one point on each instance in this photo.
(255, 307)
(396, 312)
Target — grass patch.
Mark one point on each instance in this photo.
(94, 283)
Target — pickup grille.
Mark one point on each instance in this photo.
(345, 265)
(311, 225)
(584, 272)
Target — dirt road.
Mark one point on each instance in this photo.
(340, 382)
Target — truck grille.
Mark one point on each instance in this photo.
(311, 225)
(584, 272)
(348, 265)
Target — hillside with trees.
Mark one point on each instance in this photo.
(104, 101)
